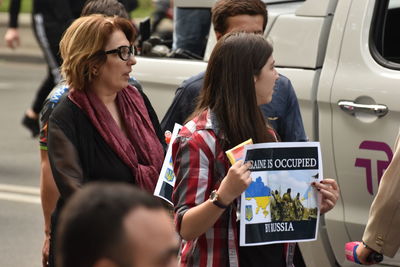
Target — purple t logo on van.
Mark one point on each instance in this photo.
(367, 163)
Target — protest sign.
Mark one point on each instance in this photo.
(280, 205)
(166, 179)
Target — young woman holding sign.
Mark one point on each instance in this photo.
(240, 76)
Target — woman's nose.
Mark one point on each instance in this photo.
(132, 60)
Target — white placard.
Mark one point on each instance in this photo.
(280, 205)
(166, 180)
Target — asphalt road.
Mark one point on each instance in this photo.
(21, 223)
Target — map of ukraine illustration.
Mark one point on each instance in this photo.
(260, 193)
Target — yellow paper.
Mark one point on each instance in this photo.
(236, 153)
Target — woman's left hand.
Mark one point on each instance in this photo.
(329, 190)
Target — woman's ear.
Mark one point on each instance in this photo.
(255, 78)
(95, 71)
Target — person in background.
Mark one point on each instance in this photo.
(110, 225)
(283, 113)
(50, 18)
(191, 27)
(240, 76)
(382, 233)
(102, 129)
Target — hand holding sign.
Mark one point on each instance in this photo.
(329, 190)
(235, 182)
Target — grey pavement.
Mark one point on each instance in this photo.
(21, 223)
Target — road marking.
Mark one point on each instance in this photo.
(19, 193)
(19, 198)
(20, 189)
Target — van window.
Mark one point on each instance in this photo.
(385, 37)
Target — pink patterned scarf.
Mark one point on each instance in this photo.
(140, 148)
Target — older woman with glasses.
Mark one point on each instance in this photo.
(102, 129)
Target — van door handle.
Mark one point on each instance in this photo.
(351, 108)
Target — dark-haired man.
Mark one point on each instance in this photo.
(283, 112)
(115, 225)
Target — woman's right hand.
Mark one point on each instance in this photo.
(235, 182)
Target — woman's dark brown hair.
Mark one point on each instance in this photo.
(229, 89)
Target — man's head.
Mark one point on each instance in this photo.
(239, 15)
(105, 7)
(109, 224)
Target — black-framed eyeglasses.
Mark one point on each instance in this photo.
(124, 52)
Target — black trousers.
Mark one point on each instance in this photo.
(48, 34)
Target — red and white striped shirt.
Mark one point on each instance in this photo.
(200, 164)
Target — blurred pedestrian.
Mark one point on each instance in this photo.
(50, 18)
(191, 28)
(102, 129)
(108, 224)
